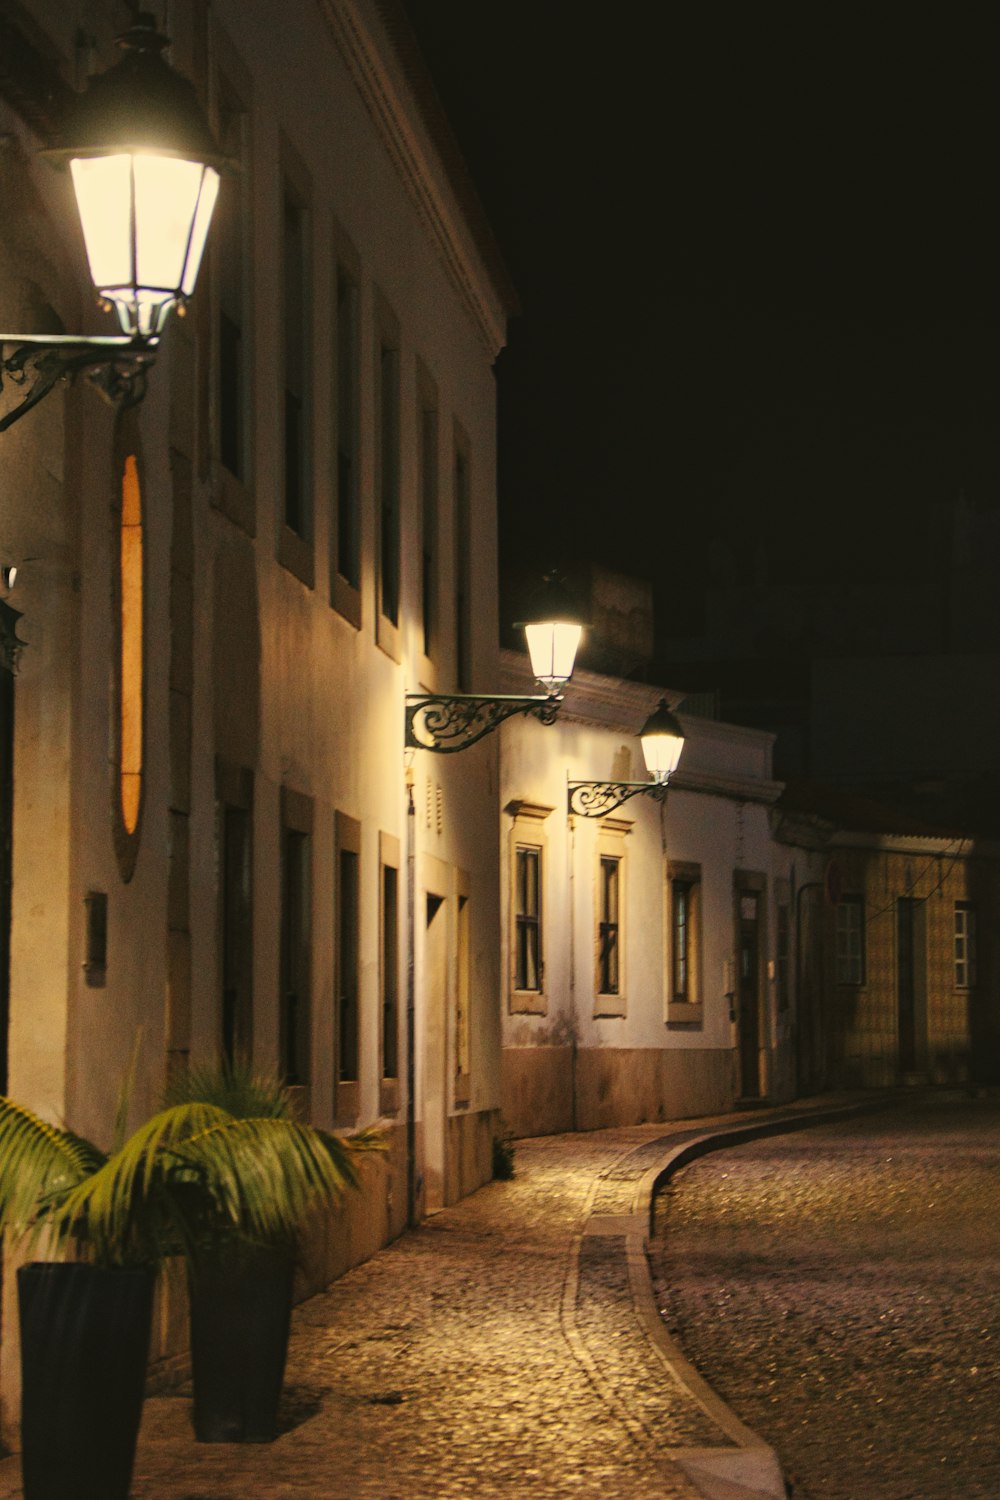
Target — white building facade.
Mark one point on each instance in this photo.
(646, 952)
(217, 846)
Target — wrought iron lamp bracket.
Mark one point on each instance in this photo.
(595, 799)
(449, 722)
(116, 363)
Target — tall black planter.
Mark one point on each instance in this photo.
(84, 1349)
(241, 1310)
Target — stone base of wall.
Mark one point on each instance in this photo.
(545, 1094)
(470, 1152)
(536, 1087)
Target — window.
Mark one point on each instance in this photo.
(389, 967)
(608, 927)
(230, 261)
(128, 680)
(528, 912)
(527, 874)
(684, 929)
(347, 1037)
(295, 363)
(609, 918)
(850, 940)
(463, 569)
(387, 477)
(346, 529)
(965, 946)
(428, 502)
(131, 636)
(296, 878)
(235, 832)
(685, 941)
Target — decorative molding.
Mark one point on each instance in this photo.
(393, 119)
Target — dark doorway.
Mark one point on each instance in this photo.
(749, 993)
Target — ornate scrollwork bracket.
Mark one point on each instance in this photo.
(449, 722)
(595, 799)
(116, 363)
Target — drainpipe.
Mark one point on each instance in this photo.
(411, 1028)
(574, 1021)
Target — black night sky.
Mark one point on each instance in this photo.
(757, 253)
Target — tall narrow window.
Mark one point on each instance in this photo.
(295, 978)
(966, 956)
(684, 995)
(850, 941)
(347, 968)
(348, 527)
(682, 905)
(388, 481)
(131, 637)
(229, 260)
(236, 898)
(527, 919)
(390, 971)
(428, 522)
(609, 926)
(295, 297)
(347, 997)
(463, 572)
(526, 908)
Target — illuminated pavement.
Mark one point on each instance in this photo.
(509, 1347)
(838, 1287)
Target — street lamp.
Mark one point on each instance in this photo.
(144, 167)
(662, 740)
(447, 722)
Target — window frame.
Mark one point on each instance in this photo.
(850, 965)
(347, 1070)
(969, 938)
(686, 1009)
(346, 406)
(527, 833)
(296, 542)
(390, 989)
(296, 834)
(387, 358)
(611, 847)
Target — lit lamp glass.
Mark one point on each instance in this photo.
(144, 169)
(145, 219)
(662, 740)
(552, 647)
(553, 628)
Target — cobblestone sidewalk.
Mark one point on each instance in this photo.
(498, 1350)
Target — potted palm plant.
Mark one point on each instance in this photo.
(251, 1188)
(106, 1220)
(194, 1180)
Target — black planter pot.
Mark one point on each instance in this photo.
(241, 1310)
(84, 1349)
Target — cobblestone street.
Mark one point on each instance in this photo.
(837, 1287)
(495, 1351)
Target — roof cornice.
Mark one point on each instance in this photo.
(410, 123)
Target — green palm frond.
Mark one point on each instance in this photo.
(234, 1086)
(125, 1211)
(266, 1174)
(39, 1163)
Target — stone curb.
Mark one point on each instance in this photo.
(744, 1467)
